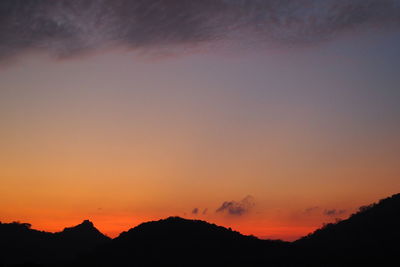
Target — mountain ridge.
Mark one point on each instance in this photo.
(20, 244)
(369, 237)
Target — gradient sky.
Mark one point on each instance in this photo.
(270, 134)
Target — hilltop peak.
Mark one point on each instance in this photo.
(84, 231)
(179, 228)
(86, 223)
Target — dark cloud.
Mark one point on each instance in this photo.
(333, 212)
(71, 27)
(195, 211)
(237, 208)
(205, 211)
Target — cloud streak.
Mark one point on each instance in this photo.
(71, 27)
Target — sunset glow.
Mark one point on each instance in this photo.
(288, 136)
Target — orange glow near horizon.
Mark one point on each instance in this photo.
(112, 227)
(120, 141)
(288, 228)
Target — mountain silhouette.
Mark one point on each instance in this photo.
(181, 242)
(369, 237)
(19, 244)
(84, 234)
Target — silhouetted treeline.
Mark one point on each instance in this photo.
(368, 238)
(20, 245)
(180, 242)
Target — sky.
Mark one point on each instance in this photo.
(269, 117)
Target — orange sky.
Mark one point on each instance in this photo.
(121, 140)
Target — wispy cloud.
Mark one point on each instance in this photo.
(71, 27)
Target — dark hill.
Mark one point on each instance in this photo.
(180, 242)
(19, 244)
(83, 235)
(77, 240)
(370, 237)
(182, 229)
